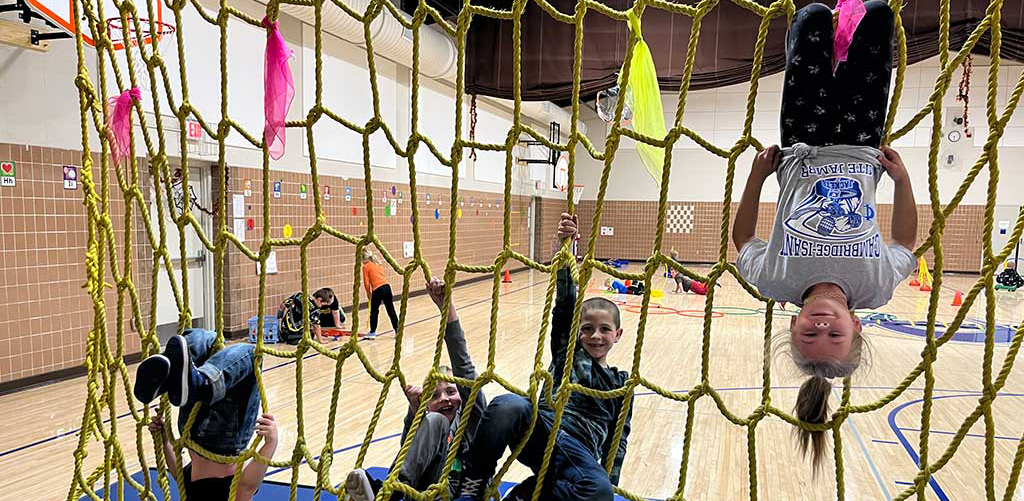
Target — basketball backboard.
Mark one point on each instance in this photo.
(59, 12)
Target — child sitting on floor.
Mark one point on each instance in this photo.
(826, 252)
(618, 287)
(587, 429)
(225, 386)
(292, 313)
(424, 463)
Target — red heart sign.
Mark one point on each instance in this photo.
(7, 167)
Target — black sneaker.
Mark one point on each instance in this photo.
(150, 377)
(472, 489)
(183, 378)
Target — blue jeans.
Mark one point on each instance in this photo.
(573, 473)
(227, 419)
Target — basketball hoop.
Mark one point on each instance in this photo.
(606, 102)
(577, 193)
(562, 173)
(163, 33)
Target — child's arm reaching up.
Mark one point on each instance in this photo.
(904, 209)
(156, 427)
(565, 301)
(764, 165)
(252, 475)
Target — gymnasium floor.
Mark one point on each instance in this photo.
(880, 448)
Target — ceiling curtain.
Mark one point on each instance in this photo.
(725, 49)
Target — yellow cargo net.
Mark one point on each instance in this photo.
(107, 374)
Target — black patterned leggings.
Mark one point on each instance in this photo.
(820, 108)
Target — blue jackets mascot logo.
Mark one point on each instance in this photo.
(833, 212)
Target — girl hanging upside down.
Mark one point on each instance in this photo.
(825, 252)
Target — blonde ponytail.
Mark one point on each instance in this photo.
(812, 407)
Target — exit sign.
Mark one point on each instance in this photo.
(195, 130)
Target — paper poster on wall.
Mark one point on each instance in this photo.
(401, 195)
(238, 205)
(7, 174)
(287, 231)
(302, 191)
(394, 207)
(277, 189)
(348, 193)
(459, 215)
(271, 263)
(327, 192)
(428, 198)
(607, 231)
(1003, 227)
(408, 249)
(239, 230)
(70, 177)
(247, 187)
(437, 214)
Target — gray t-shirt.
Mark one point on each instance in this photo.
(826, 230)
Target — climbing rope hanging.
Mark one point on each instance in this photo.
(106, 255)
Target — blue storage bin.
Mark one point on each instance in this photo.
(270, 329)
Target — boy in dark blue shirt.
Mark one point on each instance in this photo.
(588, 423)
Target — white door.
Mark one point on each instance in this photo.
(196, 258)
(1005, 218)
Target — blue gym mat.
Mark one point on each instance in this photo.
(270, 491)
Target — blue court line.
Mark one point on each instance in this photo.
(877, 441)
(898, 431)
(864, 450)
(265, 370)
(900, 482)
(940, 432)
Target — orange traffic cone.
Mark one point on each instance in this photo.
(958, 299)
(925, 287)
(914, 283)
(508, 278)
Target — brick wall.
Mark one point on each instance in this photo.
(634, 224)
(43, 235)
(331, 261)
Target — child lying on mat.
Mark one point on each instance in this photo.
(225, 386)
(588, 423)
(424, 463)
(618, 287)
(826, 252)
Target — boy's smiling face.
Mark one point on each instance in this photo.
(446, 400)
(598, 333)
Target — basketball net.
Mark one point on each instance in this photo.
(155, 41)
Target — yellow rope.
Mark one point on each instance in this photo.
(105, 365)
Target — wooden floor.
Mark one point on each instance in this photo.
(40, 431)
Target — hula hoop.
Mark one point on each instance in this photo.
(714, 314)
(736, 311)
(651, 310)
(779, 313)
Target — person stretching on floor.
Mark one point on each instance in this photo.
(225, 386)
(378, 291)
(587, 429)
(826, 252)
(685, 283)
(424, 463)
(291, 314)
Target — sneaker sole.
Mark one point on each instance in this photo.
(150, 377)
(358, 487)
(179, 345)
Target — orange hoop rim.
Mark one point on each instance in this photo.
(115, 30)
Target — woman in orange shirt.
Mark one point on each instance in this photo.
(379, 291)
